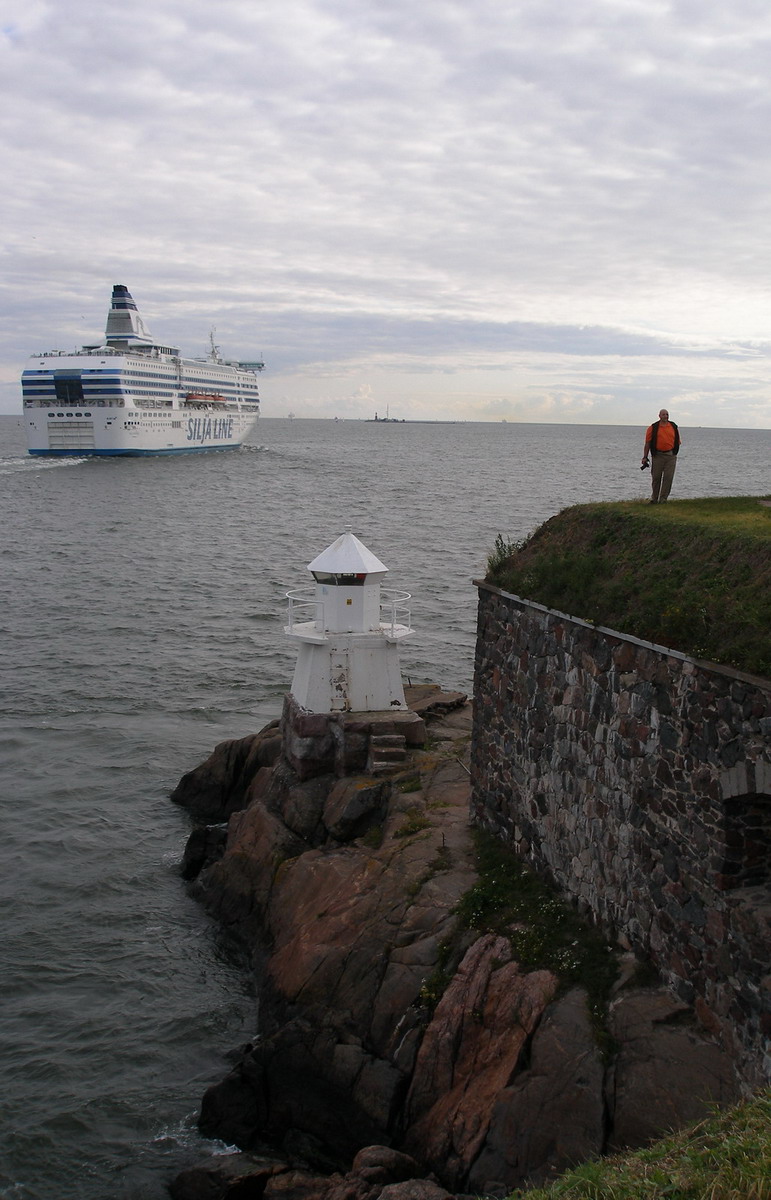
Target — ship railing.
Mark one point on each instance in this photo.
(306, 608)
(83, 352)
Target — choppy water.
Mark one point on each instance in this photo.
(141, 612)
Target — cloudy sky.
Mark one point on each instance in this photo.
(466, 209)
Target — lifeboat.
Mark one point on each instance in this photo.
(205, 398)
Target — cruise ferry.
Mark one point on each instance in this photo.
(130, 395)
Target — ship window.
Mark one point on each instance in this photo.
(69, 389)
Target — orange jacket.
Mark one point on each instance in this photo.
(667, 436)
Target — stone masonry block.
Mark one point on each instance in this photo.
(662, 752)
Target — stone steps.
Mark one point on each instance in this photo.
(387, 752)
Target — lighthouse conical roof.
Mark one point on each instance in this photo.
(347, 556)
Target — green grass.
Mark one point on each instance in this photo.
(414, 822)
(742, 515)
(726, 1157)
(509, 899)
(693, 575)
(442, 861)
(373, 838)
(434, 986)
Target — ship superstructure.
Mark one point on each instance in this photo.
(131, 395)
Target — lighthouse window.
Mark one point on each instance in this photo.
(339, 580)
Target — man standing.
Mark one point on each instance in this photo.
(662, 441)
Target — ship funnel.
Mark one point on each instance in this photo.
(124, 324)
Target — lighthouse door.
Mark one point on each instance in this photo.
(339, 680)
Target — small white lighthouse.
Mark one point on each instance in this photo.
(349, 630)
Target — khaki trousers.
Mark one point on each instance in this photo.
(662, 473)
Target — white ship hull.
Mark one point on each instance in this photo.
(131, 396)
(126, 429)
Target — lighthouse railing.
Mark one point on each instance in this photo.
(395, 608)
(304, 607)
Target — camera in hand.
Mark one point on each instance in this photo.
(645, 465)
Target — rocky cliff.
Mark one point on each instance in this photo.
(401, 1053)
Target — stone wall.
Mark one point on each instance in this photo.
(640, 781)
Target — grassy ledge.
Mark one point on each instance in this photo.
(726, 1157)
(693, 575)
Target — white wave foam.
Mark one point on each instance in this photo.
(16, 466)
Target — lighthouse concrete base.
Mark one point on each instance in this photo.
(341, 743)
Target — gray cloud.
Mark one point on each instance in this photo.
(535, 191)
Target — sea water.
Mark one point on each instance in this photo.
(142, 604)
